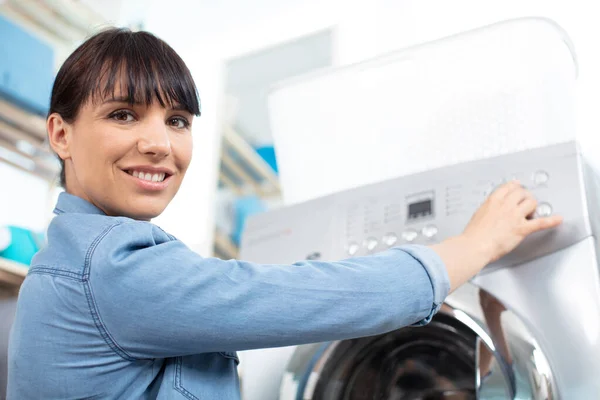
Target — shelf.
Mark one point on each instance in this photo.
(32, 125)
(12, 273)
(23, 141)
(243, 170)
(59, 21)
(245, 173)
(224, 248)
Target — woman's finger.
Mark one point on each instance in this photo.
(527, 206)
(539, 224)
(516, 196)
(503, 190)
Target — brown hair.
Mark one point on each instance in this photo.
(144, 67)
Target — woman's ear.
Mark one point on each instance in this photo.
(59, 135)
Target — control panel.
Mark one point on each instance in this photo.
(425, 208)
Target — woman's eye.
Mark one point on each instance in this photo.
(122, 116)
(179, 122)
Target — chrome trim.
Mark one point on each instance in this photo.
(516, 352)
(509, 362)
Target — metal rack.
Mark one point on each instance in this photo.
(244, 172)
(224, 247)
(61, 22)
(12, 274)
(23, 141)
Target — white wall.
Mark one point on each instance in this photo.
(390, 25)
(25, 200)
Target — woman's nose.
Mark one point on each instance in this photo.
(155, 140)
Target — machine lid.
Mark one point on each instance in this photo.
(472, 349)
(505, 87)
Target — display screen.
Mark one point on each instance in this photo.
(420, 209)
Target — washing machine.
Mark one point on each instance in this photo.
(527, 327)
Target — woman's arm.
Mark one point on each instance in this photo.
(156, 298)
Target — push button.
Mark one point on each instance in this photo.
(540, 178)
(409, 235)
(371, 243)
(543, 210)
(429, 231)
(352, 248)
(390, 239)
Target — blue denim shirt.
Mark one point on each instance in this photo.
(114, 308)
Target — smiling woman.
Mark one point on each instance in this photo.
(115, 308)
(131, 110)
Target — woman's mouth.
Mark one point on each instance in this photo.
(147, 176)
(148, 179)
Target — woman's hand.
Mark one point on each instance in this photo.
(496, 228)
(505, 219)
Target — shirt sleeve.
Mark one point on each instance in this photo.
(160, 299)
(438, 276)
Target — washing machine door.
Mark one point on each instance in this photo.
(474, 348)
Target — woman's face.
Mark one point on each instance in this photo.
(126, 160)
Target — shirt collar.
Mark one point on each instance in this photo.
(67, 203)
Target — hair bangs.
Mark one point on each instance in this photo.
(128, 72)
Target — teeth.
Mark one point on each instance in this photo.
(158, 177)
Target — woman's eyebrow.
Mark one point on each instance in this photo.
(179, 107)
(120, 99)
(128, 100)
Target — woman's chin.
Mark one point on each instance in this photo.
(144, 209)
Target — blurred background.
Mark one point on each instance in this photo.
(236, 51)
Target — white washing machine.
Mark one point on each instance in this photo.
(527, 327)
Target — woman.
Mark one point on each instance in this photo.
(116, 308)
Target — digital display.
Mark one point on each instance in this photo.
(420, 209)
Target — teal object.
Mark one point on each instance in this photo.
(22, 244)
(245, 207)
(267, 153)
